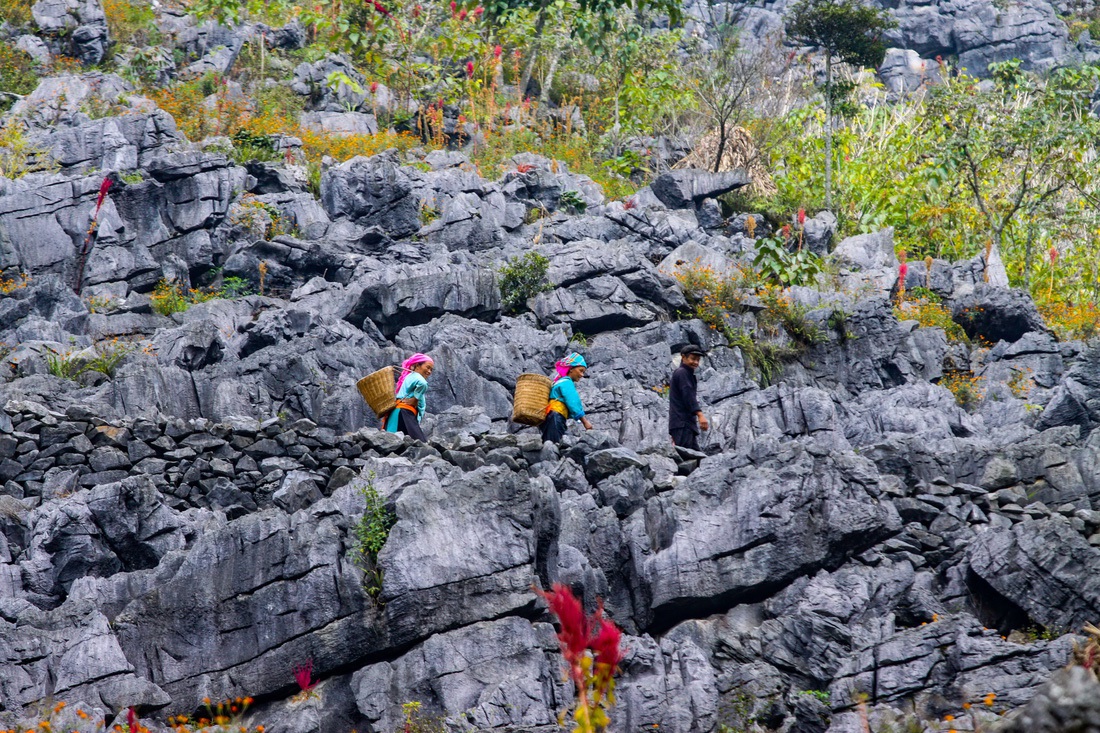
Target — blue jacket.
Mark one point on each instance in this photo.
(565, 391)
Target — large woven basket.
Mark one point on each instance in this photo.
(378, 390)
(532, 397)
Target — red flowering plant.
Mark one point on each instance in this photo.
(303, 675)
(93, 227)
(591, 647)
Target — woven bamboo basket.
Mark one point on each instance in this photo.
(532, 397)
(378, 390)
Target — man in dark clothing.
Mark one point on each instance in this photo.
(685, 417)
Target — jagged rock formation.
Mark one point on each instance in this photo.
(183, 527)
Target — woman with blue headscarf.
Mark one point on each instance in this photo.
(565, 402)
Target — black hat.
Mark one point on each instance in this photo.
(692, 349)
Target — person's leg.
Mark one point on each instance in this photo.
(409, 426)
(553, 428)
(685, 438)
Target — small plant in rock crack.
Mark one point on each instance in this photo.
(220, 717)
(370, 534)
(838, 321)
(307, 686)
(416, 722)
(572, 202)
(590, 645)
(521, 279)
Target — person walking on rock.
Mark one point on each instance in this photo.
(685, 416)
(565, 402)
(411, 386)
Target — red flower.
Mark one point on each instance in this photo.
(462, 14)
(454, 7)
(785, 230)
(469, 65)
(574, 624)
(903, 270)
(132, 720)
(629, 203)
(497, 51)
(416, 11)
(381, 9)
(1053, 255)
(373, 87)
(478, 11)
(606, 646)
(801, 217)
(103, 188)
(303, 674)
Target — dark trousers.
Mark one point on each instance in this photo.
(553, 427)
(685, 438)
(407, 424)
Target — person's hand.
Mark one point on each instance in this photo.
(704, 424)
(587, 425)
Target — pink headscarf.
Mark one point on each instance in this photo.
(566, 363)
(407, 365)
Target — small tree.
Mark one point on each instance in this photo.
(846, 31)
(1022, 147)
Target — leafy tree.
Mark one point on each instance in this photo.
(738, 86)
(1024, 148)
(846, 31)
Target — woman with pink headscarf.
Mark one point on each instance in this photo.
(411, 386)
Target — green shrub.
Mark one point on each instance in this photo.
(17, 75)
(783, 267)
(521, 279)
(370, 534)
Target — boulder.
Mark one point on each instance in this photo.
(903, 71)
(400, 297)
(688, 187)
(1069, 701)
(372, 192)
(1042, 569)
(76, 28)
(747, 534)
(339, 123)
(997, 314)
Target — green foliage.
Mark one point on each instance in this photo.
(1022, 149)
(64, 364)
(766, 357)
(573, 202)
(17, 13)
(17, 75)
(131, 22)
(168, 298)
(131, 177)
(108, 355)
(521, 279)
(248, 146)
(626, 163)
(779, 265)
(235, 287)
(428, 213)
(838, 321)
(105, 358)
(846, 30)
(930, 314)
(822, 695)
(780, 311)
(370, 534)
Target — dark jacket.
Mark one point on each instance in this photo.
(682, 400)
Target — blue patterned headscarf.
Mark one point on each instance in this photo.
(568, 362)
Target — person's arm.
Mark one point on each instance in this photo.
(572, 400)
